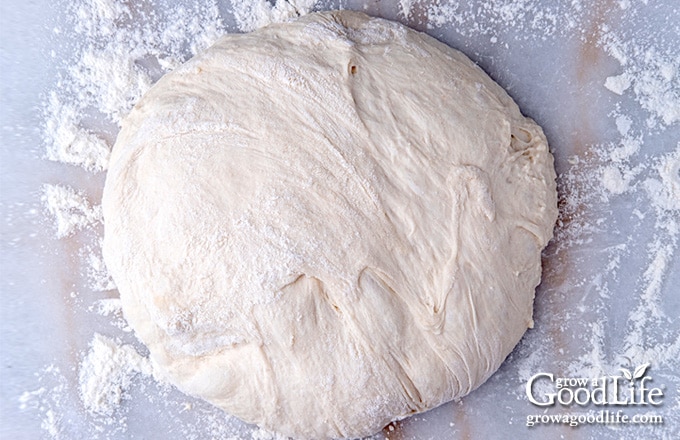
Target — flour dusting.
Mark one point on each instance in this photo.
(70, 143)
(650, 73)
(251, 15)
(106, 374)
(119, 49)
(70, 209)
(648, 90)
(143, 42)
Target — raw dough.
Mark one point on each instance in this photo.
(328, 224)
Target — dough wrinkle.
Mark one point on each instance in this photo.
(426, 310)
(407, 385)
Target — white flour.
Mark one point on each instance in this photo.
(539, 20)
(70, 209)
(124, 47)
(106, 374)
(70, 143)
(258, 13)
(650, 73)
(92, 94)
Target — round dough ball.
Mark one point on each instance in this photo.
(329, 224)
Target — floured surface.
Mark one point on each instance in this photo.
(601, 81)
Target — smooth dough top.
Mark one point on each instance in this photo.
(329, 224)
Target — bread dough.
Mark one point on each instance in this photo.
(329, 224)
